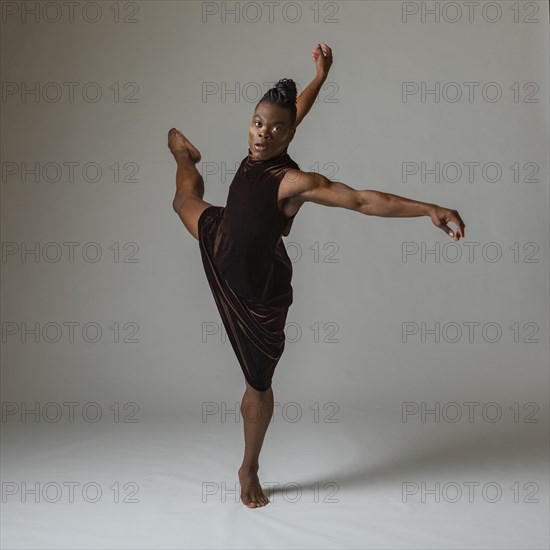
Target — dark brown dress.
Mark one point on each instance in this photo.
(247, 265)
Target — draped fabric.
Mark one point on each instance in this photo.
(247, 265)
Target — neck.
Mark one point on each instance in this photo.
(251, 158)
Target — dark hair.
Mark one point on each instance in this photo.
(284, 94)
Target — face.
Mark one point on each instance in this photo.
(270, 126)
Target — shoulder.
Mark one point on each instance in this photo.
(297, 183)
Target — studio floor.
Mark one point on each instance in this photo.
(368, 482)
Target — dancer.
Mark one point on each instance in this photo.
(243, 254)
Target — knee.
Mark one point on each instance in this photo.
(180, 200)
(255, 410)
(184, 198)
(260, 395)
(261, 389)
(179, 203)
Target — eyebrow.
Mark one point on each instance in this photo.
(278, 121)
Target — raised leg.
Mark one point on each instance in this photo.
(187, 203)
(257, 410)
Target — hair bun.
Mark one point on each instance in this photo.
(287, 89)
(284, 94)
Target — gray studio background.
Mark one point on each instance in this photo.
(354, 290)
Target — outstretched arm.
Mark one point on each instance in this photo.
(314, 187)
(322, 55)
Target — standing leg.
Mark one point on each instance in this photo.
(257, 410)
(187, 203)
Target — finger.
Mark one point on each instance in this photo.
(459, 224)
(460, 228)
(322, 47)
(458, 233)
(447, 229)
(457, 216)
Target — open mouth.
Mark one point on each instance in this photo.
(260, 147)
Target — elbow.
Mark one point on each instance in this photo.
(363, 204)
(376, 203)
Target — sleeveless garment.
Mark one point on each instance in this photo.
(247, 265)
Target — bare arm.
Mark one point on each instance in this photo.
(314, 187)
(322, 55)
(306, 99)
(377, 203)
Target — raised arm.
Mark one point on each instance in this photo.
(314, 187)
(322, 55)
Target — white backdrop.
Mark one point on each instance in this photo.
(105, 303)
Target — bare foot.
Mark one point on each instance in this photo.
(178, 143)
(251, 490)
